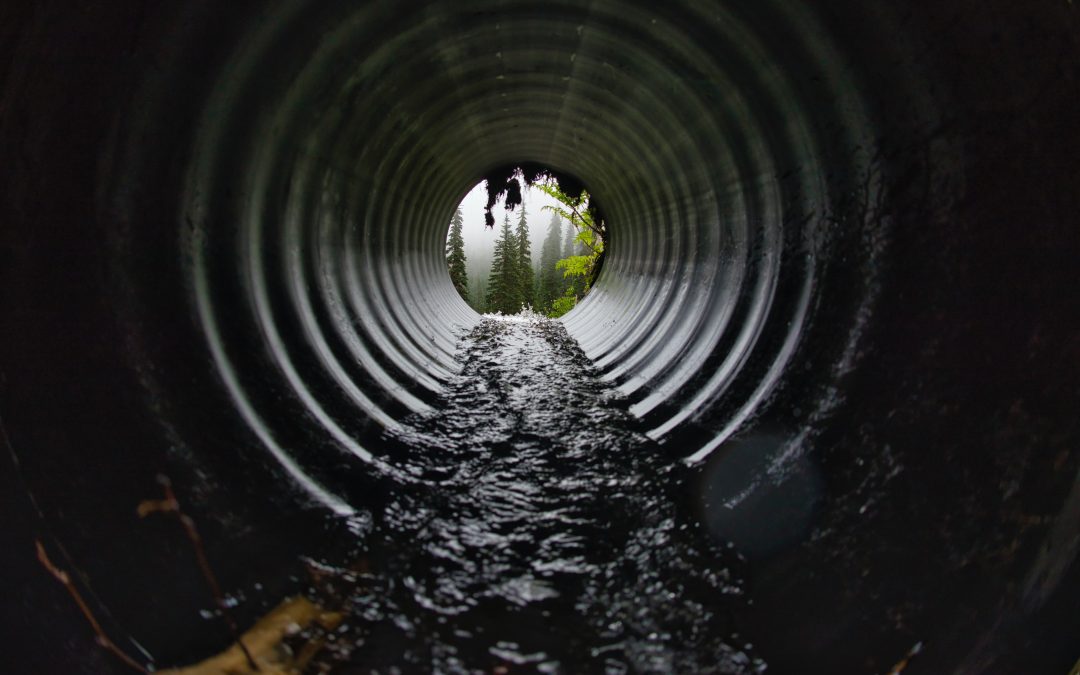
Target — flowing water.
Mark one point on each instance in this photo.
(544, 535)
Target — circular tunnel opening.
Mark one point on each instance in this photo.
(545, 263)
(833, 310)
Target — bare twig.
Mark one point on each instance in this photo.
(913, 652)
(171, 505)
(102, 639)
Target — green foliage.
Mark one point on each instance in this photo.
(582, 254)
(577, 211)
(575, 265)
(511, 282)
(561, 305)
(577, 271)
(455, 256)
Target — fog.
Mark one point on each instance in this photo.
(480, 241)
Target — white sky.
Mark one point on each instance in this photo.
(478, 237)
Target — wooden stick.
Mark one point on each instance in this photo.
(171, 505)
(102, 639)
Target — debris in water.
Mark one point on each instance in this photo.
(267, 641)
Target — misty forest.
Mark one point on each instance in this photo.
(519, 270)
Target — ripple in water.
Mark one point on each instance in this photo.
(545, 534)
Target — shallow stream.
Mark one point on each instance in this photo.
(544, 534)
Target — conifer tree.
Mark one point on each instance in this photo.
(523, 265)
(551, 279)
(455, 256)
(503, 281)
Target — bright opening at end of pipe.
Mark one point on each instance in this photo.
(542, 254)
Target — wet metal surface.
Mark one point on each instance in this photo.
(840, 284)
(546, 532)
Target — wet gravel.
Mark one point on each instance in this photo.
(543, 534)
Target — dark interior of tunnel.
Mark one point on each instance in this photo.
(841, 293)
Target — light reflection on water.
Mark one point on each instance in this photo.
(545, 534)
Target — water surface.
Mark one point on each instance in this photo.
(544, 534)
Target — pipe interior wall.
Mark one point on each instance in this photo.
(843, 245)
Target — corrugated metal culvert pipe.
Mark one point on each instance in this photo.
(841, 284)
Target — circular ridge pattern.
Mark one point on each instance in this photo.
(843, 240)
(683, 122)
